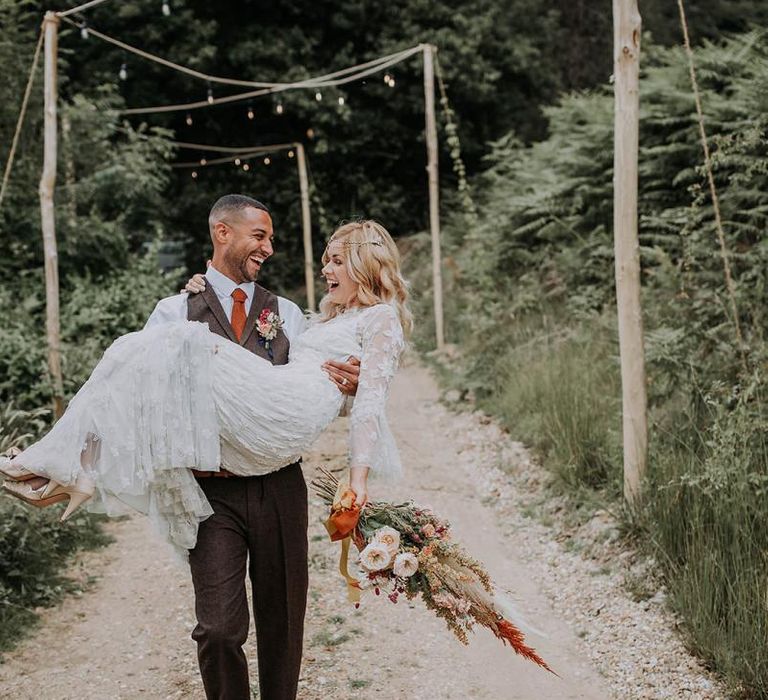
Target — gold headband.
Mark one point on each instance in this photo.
(361, 243)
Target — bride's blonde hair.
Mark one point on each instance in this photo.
(373, 261)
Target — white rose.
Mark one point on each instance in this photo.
(375, 557)
(406, 564)
(389, 537)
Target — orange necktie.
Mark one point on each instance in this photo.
(238, 312)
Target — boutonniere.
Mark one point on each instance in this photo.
(268, 326)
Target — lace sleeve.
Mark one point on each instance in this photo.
(371, 442)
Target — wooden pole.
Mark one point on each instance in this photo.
(627, 24)
(306, 225)
(47, 185)
(434, 191)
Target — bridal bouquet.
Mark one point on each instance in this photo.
(405, 550)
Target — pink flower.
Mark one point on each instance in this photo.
(269, 324)
(445, 600)
(428, 530)
(389, 537)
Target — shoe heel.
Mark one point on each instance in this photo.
(76, 499)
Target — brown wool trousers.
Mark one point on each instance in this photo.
(259, 526)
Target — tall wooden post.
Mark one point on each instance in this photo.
(47, 185)
(626, 70)
(434, 191)
(306, 226)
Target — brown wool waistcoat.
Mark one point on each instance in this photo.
(205, 307)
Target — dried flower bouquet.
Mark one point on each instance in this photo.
(405, 549)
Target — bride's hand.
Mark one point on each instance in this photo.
(345, 375)
(358, 482)
(196, 283)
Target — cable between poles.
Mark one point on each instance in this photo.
(65, 13)
(22, 113)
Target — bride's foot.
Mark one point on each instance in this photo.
(52, 492)
(38, 482)
(17, 473)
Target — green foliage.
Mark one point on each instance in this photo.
(528, 292)
(34, 547)
(94, 312)
(559, 391)
(111, 182)
(504, 61)
(707, 516)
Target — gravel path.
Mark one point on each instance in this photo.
(128, 637)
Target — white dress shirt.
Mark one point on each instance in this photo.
(175, 308)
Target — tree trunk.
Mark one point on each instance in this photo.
(48, 219)
(306, 225)
(626, 21)
(434, 191)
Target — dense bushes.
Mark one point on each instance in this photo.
(94, 312)
(34, 546)
(530, 305)
(111, 181)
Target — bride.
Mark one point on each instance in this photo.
(161, 401)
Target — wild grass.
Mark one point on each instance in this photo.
(559, 393)
(708, 521)
(556, 386)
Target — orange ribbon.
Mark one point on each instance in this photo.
(340, 525)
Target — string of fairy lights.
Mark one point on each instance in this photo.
(241, 157)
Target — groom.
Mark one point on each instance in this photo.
(259, 523)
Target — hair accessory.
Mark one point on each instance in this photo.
(361, 243)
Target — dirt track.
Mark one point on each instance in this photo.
(128, 637)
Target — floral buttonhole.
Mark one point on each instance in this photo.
(268, 326)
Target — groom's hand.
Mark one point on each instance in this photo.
(345, 375)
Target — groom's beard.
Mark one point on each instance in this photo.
(248, 276)
(238, 268)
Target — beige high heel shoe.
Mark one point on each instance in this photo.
(53, 492)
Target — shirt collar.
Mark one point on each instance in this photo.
(223, 286)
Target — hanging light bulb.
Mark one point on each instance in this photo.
(84, 31)
(123, 74)
(392, 81)
(310, 133)
(318, 96)
(267, 161)
(166, 8)
(237, 161)
(246, 167)
(279, 108)
(291, 154)
(203, 161)
(341, 101)
(194, 174)
(387, 78)
(250, 112)
(210, 95)
(188, 119)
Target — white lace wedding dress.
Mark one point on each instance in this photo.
(175, 396)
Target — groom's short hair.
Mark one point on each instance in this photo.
(232, 204)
